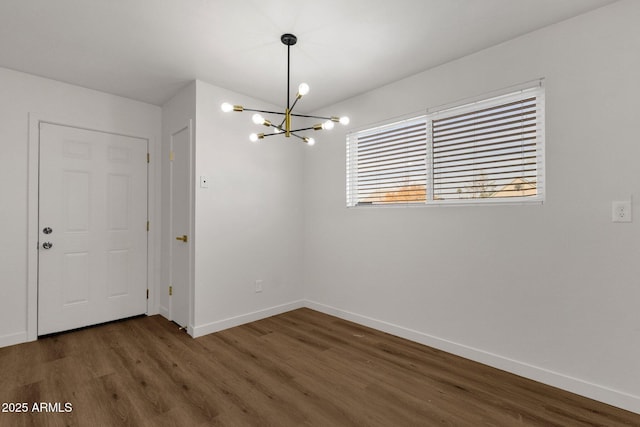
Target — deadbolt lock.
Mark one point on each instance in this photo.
(47, 230)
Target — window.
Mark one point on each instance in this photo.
(387, 164)
(486, 151)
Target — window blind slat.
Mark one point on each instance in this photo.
(476, 133)
(483, 112)
(440, 129)
(476, 161)
(472, 124)
(470, 146)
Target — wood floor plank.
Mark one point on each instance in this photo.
(301, 368)
(267, 383)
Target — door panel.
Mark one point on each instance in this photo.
(180, 196)
(93, 197)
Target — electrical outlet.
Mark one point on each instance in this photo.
(258, 285)
(621, 211)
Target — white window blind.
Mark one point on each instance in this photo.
(387, 164)
(491, 149)
(486, 151)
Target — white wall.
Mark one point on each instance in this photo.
(248, 223)
(23, 94)
(550, 292)
(249, 220)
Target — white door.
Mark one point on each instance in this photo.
(92, 259)
(180, 199)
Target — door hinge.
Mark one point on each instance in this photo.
(170, 290)
(148, 158)
(171, 156)
(147, 293)
(147, 225)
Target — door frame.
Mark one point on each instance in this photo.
(188, 126)
(33, 167)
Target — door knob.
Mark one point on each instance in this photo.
(47, 245)
(183, 238)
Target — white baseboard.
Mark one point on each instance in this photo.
(163, 311)
(609, 396)
(12, 339)
(200, 330)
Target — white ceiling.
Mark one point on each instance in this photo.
(148, 49)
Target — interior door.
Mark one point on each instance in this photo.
(92, 259)
(181, 242)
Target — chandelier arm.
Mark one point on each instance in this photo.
(275, 127)
(312, 117)
(265, 111)
(298, 136)
(301, 129)
(304, 138)
(292, 134)
(294, 104)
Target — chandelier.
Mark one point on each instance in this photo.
(284, 127)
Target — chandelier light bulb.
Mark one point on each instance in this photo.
(226, 107)
(344, 120)
(257, 119)
(253, 137)
(303, 89)
(310, 141)
(328, 125)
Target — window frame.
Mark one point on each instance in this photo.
(530, 89)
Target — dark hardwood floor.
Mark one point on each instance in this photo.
(298, 368)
